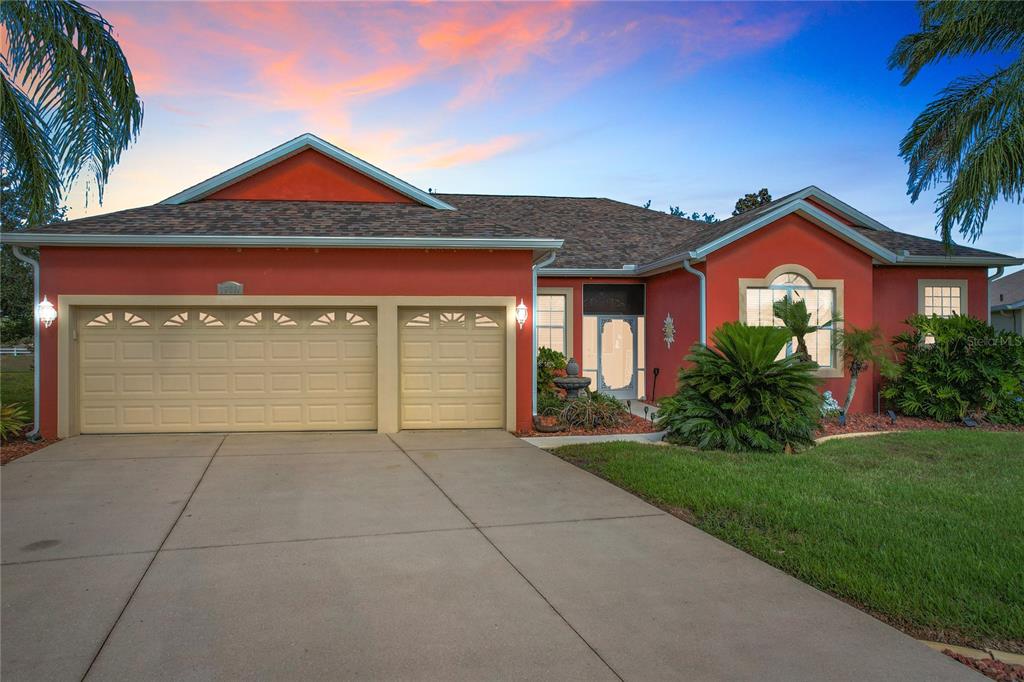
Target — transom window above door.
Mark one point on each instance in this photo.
(821, 302)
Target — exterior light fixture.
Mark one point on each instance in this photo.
(47, 313)
(521, 313)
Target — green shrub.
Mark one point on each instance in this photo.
(737, 396)
(593, 410)
(953, 367)
(13, 419)
(549, 404)
(550, 363)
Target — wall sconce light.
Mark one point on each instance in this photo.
(521, 313)
(47, 313)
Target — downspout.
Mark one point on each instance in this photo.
(703, 300)
(988, 301)
(33, 435)
(547, 260)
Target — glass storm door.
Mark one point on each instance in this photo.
(616, 353)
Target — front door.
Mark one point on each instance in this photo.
(616, 356)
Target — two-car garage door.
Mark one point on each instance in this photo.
(264, 369)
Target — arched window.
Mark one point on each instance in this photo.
(821, 304)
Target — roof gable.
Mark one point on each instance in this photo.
(309, 176)
(307, 168)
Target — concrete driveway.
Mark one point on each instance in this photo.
(427, 555)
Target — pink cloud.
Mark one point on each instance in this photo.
(475, 152)
(330, 64)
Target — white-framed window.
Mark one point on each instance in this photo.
(942, 297)
(551, 322)
(821, 304)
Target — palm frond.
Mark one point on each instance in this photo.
(27, 162)
(971, 138)
(958, 27)
(62, 56)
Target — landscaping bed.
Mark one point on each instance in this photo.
(19, 447)
(919, 529)
(996, 670)
(862, 423)
(630, 424)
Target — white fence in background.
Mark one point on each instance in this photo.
(15, 350)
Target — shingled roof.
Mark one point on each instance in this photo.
(598, 233)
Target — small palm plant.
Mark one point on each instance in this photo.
(861, 347)
(797, 320)
(737, 396)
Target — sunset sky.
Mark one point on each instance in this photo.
(682, 104)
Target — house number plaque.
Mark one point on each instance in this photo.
(229, 288)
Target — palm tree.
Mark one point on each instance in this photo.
(797, 320)
(860, 347)
(67, 100)
(972, 137)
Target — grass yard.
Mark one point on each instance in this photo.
(925, 529)
(15, 384)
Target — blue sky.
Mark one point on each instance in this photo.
(689, 104)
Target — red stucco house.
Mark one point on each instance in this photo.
(308, 289)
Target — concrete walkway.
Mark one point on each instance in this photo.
(428, 555)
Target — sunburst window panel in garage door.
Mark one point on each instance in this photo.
(452, 368)
(226, 369)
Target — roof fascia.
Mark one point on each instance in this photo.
(252, 241)
(992, 261)
(624, 271)
(841, 207)
(292, 147)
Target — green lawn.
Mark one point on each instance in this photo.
(16, 386)
(926, 529)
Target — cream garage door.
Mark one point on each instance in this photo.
(226, 369)
(452, 367)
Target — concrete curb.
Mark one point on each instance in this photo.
(858, 434)
(549, 442)
(992, 654)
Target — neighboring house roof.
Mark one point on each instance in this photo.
(1007, 293)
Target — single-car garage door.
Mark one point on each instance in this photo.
(452, 367)
(226, 369)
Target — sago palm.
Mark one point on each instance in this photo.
(970, 139)
(737, 396)
(67, 100)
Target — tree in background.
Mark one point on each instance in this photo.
(699, 217)
(970, 139)
(752, 200)
(67, 102)
(16, 314)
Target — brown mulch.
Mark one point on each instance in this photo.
(632, 424)
(12, 449)
(997, 670)
(860, 423)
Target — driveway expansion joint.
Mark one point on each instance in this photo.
(591, 518)
(80, 556)
(325, 538)
(75, 460)
(515, 568)
(152, 559)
